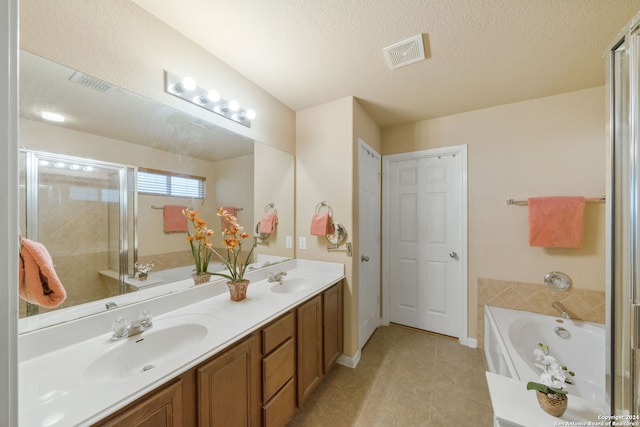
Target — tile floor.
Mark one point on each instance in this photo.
(405, 378)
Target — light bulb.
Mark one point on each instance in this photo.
(210, 96)
(250, 114)
(59, 165)
(233, 105)
(213, 95)
(74, 167)
(188, 83)
(44, 163)
(87, 168)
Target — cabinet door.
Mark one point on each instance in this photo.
(229, 387)
(309, 347)
(332, 318)
(159, 409)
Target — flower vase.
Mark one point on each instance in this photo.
(553, 404)
(199, 279)
(238, 290)
(143, 276)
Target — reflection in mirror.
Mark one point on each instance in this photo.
(94, 242)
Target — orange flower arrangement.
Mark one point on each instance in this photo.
(232, 237)
(201, 246)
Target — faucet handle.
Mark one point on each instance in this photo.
(145, 317)
(120, 328)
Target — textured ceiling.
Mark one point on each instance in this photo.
(481, 53)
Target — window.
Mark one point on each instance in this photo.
(161, 183)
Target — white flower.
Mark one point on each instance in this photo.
(539, 354)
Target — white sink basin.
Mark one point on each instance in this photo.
(145, 351)
(291, 286)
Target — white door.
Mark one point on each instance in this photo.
(368, 242)
(425, 243)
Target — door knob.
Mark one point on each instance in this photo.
(452, 254)
(364, 258)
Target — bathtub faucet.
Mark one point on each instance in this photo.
(563, 311)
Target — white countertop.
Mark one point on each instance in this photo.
(512, 402)
(58, 388)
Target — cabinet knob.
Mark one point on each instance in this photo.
(364, 258)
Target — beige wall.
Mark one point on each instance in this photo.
(121, 43)
(274, 182)
(542, 147)
(326, 169)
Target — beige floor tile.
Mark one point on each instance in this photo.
(405, 378)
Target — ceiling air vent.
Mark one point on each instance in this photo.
(92, 82)
(405, 52)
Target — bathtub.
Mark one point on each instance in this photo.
(510, 336)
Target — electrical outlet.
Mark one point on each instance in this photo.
(302, 242)
(288, 242)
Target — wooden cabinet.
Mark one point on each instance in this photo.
(309, 336)
(332, 326)
(162, 408)
(278, 371)
(259, 381)
(229, 387)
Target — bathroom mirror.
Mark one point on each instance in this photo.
(106, 124)
(339, 234)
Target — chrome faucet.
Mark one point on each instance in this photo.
(563, 311)
(276, 276)
(123, 329)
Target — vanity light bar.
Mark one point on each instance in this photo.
(186, 88)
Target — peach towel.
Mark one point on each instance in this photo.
(556, 222)
(268, 223)
(231, 211)
(321, 224)
(174, 220)
(38, 281)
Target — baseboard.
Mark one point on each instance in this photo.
(349, 362)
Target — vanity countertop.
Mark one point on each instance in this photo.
(77, 384)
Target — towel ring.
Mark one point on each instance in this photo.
(270, 207)
(259, 235)
(322, 204)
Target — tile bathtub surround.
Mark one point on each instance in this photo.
(405, 377)
(582, 304)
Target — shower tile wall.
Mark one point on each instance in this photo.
(582, 304)
(74, 232)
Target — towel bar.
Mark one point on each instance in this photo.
(600, 199)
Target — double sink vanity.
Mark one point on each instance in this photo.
(205, 360)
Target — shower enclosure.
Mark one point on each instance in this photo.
(83, 212)
(623, 260)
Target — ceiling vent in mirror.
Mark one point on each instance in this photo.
(405, 52)
(92, 82)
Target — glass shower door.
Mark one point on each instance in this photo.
(79, 209)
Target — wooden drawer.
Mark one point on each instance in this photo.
(277, 369)
(281, 408)
(278, 332)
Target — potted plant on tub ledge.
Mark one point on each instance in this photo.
(202, 249)
(550, 391)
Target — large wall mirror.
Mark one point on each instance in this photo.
(79, 187)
